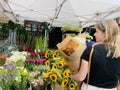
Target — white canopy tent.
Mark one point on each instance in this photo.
(60, 12)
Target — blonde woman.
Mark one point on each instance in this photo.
(105, 64)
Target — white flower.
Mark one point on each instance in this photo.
(17, 55)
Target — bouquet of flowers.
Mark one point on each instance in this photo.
(71, 49)
(59, 73)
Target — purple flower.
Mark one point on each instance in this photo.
(40, 61)
(33, 54)
(27, 60)
(41, 53)
(33, 61)
(44, 60)
(9, 66)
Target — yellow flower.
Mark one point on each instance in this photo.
(71, 86)
(64, 62)
(58, 74)
(54, 65)
(54, 51)
(46, 55)
(24, 73)
(54, 55)
(46, 51)
(64, 83)
(66, 73)
(53, 69)
(53, 77)
(47, 74)
(60, 64)
(68, 70)
(47, 63)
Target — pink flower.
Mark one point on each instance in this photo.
(27, 60)
(40, 61)
(41, 53)
(33, 54)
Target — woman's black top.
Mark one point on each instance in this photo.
(104, 71)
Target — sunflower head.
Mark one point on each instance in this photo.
(64, 83)
(54, 55)
(46, 55)
(71, 86)
(53, 77)
(47, 63)
(60, 64)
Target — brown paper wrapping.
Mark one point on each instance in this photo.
(71, 49)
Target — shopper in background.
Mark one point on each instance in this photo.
(105, 64)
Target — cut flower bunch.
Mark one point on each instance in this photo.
(34, 59)
(59, 72)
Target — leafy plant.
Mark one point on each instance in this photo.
(39, 43)
(71, 28)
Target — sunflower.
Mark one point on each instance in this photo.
(54, 51)
(46, 75)
(54, 55)
(47, 63)
(58, 74)
(66, 73)
(46, 55)
(53, 69)
(64, 62)
(60, 64)
(54, 65)
(71, 86)
(53, 77)
(64, 83)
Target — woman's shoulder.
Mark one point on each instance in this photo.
(99, 47)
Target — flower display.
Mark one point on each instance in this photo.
(36, 77)
(40, 70)
(33, 59)
(17, 57)
(13, 78)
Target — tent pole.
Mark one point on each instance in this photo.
(58, 9)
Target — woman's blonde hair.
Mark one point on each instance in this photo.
(112, 38)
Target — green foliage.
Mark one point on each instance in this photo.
(5, 27)
(71, 28)
(39, 43)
